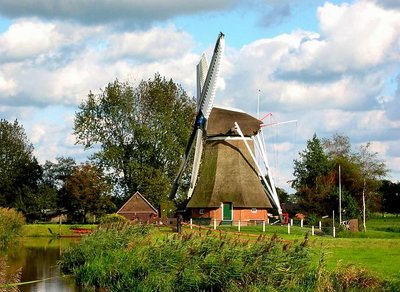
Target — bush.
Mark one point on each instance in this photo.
(11, 222)
(112, 218)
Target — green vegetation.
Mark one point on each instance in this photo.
(112, 218)
(371, 250)
(11, 222)
(137, 258)
(142, 132)
(316, 180)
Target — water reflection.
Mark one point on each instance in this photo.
(38, 258)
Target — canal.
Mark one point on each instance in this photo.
(36, 259)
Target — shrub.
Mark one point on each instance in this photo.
(11, 222)
(112, 218)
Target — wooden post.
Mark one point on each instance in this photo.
(59, 225)
(263, 226)
(239, 226)
(268, 220)
(291, 222)
(312, 230)
(301, 223)
(334, 231)
(191, 223)
(288, 228)
(215, 223)
(320, 226)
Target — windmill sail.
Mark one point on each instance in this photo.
(206, 93)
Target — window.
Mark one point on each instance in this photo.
(253, 210)
(201, 211)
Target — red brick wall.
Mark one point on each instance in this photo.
(242, 214)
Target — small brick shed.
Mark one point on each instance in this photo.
(137, 207)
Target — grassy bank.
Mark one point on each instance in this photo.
(53, 230)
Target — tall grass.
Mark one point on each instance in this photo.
(6, 278)
(11, 222)
(134, 258)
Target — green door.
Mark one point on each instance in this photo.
(227, 211)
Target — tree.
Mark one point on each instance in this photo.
(140, 132)
(87, 191)
(313, 178)
(55, 174)
(19, 170)
(317, 176)
(390, 194)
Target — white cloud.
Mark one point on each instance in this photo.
(28, 38)
(7, 86)
(156, 43)
(354, 39)
(63, 72)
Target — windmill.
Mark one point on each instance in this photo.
(227, 182)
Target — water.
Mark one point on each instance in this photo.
(38, 259)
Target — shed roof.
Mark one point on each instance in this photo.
(137, 203)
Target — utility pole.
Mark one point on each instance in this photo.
(340, 198)
(363, 199)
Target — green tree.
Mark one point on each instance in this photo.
(87, 191)
(140, 133)
(55, 174)
(317, 176)
(313, 178)
(20, 172)
(390, 195)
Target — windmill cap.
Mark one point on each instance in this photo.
(222, 122)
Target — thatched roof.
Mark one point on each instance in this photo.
(227, 174)
(221, 122)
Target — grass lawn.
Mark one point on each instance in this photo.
(377, 250)
(52, 230)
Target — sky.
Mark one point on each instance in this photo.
(333, 66)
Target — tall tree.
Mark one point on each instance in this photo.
(87, 191)
(140, 133)
(19, 170)
(313, 177)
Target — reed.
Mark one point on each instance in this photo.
(135, 258)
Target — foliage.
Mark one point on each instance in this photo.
(11, 222)
(19, 169)
(317, 176)
(55, 174)
(390, 195)
(141, 133)
(87, 191)
(112, 218)
(313, 180)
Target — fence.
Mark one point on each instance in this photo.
(298, 227)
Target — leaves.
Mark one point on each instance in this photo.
(140, 133)
(317, 175)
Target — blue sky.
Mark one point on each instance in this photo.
(331, 65)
